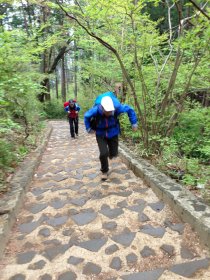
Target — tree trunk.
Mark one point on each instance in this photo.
(75, 70)
(168, 94)
(67, 75)
(63, 80)
(180, 106)
(45, 94)
(56, 83)
(24, 9)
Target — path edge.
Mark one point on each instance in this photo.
(11, 201)
(187, 206)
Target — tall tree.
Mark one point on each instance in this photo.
(164, 56)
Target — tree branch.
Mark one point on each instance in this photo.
(199, 9)
(107, 45)
(58, 57)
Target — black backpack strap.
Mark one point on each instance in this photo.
(95, 120)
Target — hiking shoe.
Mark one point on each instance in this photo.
(104, 176)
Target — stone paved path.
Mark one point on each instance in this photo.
(73, 226)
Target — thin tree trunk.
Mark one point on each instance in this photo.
(24, 9)
(56, 83)
(75, 70)
(45, 94)
(67, 75)
(180, 105)
(171, 83)
(63, 80)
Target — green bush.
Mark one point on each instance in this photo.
(189, 171)
(7, 125)
(7, 155)
(193, 133)
(7, 159)
(54, 109)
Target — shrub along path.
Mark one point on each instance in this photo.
(73, 226)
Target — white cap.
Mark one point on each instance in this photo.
(107, 103)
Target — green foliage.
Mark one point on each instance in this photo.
(189, 171)
(20, 81)
(98, 68)
(22, 151)
(195, 172)
(20, 109)
(7, 156)
(192, 133)
(147, 57)
(54, 109)
(189, 180)
(8, 160)
(7, 125)
(126, 129)
(86, 102)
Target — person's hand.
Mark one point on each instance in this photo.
(91, 131)
(134, 128)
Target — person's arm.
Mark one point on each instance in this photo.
(87, 117)
(77, 108)
(131, 115)
(66, 109)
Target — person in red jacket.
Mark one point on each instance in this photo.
(73, 109)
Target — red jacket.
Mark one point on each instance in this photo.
(73, 110)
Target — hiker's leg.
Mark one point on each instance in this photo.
(104, 153)
(76, 124)
(113, 147)
(71, 127)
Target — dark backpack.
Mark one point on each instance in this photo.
(95, 120)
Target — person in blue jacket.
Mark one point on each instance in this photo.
(73, 109)
(107, 127)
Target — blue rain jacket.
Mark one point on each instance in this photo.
(109, 127)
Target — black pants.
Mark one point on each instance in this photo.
(107, 148)
(73, 122)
